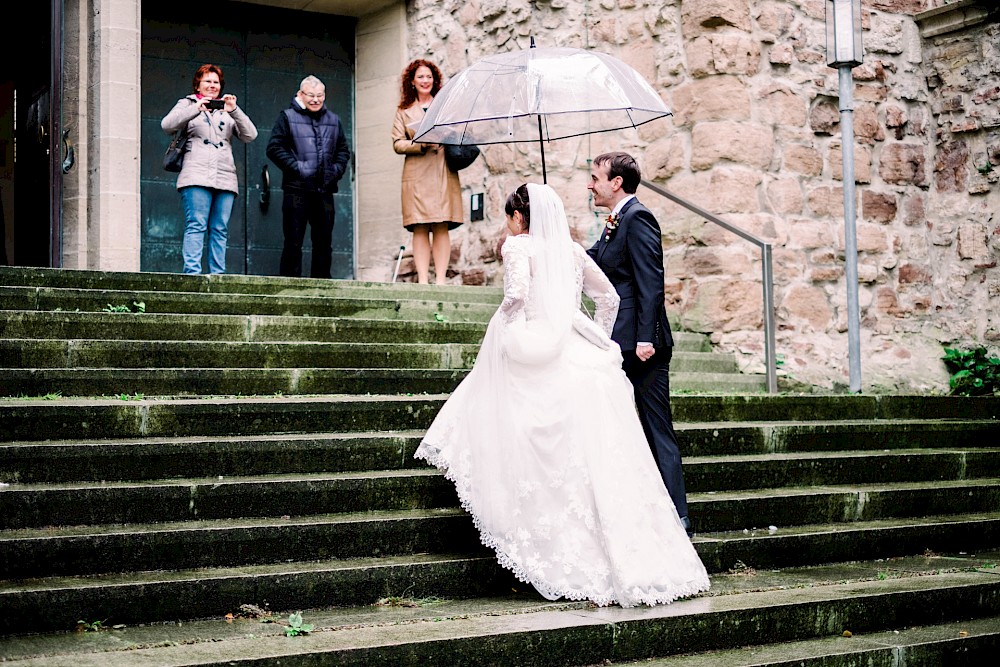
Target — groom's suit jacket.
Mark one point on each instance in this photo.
(633, 261)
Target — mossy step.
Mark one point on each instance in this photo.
(964, 643)
(733, 462)
(196, 354)
(116, 418)
(15, 276)
(50, 462)
(234, 328)
(37, 354)
(376, 306)
(748, 437)
(757, 508)
(182, 545)
(215, 382)
(766, 548)
(741, 610)
(219, 497)
(144, 597)
(768, 422)
(100, 549)
(37, 505)
(30, 324)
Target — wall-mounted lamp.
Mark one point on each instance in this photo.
(843, 33)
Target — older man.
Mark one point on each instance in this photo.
(308, 145)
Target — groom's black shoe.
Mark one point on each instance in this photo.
(686, 522)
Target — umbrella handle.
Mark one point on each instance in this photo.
(541, 144)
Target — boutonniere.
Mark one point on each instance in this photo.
(610, 225)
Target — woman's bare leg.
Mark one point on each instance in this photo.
(442, 252)
(422, 251)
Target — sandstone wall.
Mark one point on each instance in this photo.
(755, 138)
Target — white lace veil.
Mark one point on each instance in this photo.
(553, 274)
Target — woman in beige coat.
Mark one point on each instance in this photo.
(207, 181)
(431, 193)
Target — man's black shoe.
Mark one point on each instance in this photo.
(686, 522)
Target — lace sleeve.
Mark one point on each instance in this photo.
(517, 276)
(597, 286)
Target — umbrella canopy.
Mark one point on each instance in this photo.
(539, 94)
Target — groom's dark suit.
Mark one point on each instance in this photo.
(632, 258)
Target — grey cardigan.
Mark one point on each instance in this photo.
(209, 160)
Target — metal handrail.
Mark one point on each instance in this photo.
(767, 278)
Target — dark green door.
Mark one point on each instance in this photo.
(264, 54)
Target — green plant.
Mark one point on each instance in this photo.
(134, 397)
(296, 627)
(93, 626)
(140, 307)
(973, 372)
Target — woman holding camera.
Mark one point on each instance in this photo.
(207, 180)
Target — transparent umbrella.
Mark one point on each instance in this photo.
(539, 94)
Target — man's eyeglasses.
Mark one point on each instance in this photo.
(314, 96)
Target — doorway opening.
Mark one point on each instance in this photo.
(26, 110)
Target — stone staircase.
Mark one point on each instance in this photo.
(249, 441)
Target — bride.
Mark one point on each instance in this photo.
(542, 440)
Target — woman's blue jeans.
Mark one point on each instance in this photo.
(205, 209)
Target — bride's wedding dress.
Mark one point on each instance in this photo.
(544, 445)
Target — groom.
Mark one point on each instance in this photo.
(630, 253)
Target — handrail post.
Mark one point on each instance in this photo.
(767, 279)
(770, 348)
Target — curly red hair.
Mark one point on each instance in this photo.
(408, 92)
(205, 69)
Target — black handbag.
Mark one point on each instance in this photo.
(173, 159)
(460, 157)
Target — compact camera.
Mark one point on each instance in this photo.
(215, 104)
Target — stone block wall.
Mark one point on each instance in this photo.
(755, 139)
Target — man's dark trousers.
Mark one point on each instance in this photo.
(317, 210)
(651, 380)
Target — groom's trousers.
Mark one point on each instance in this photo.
(651, 380)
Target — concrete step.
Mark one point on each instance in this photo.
(26, 324)
(955, 596)
(377, 306)
(37, 354)
(219, 497)
(19, 276)
(965, 643)
(181, 545)
(162, 595)
(100, 549)
(218, 382)
(29, 324)
(292, 494)
(112, 418)
(767, 422)
(193, 354)
(730, 460)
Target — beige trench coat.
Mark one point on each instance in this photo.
(431, 192)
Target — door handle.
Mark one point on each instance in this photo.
(265, 189)
(70, 154)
